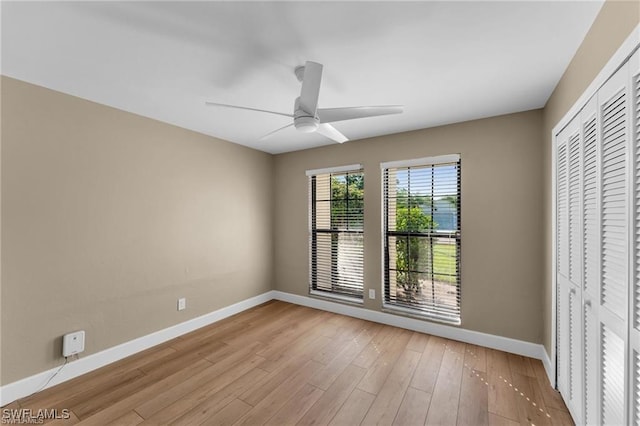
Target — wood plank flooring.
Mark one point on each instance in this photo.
(282, 364)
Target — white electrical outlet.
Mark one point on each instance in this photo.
(73, 343)
(182, 304)
(372, 293)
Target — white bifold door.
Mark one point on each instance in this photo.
(598, 254)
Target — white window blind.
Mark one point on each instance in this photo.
(422, 237)
(336, 231)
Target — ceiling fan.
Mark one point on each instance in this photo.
(308, 118)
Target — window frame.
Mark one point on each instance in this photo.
(395, 308)
(337, 296)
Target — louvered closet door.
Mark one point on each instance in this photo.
(570, 278)
(590, 128)
(613, 108)
(598, 254)
(562, 264)
(634, 294)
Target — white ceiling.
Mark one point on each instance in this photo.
(445, 62)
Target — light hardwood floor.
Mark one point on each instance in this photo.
(282, 364)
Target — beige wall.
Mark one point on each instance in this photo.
(109, 217)
(501, 215)
(612, 26)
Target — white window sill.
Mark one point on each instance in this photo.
(336, 297)
(406, 312)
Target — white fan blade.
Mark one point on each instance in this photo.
(330, 115)
(275, 131)
(331, 132)
(249, 109)
(311, 87)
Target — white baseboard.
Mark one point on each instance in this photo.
(505, 344)
(549, 368)
(29, 385)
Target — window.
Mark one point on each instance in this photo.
(336, 232)
(422, 237)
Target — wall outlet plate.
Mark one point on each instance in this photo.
(73, 343)
(182, 304)
(372, 293)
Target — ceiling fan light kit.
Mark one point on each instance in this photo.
(308, 118)
(306, 124)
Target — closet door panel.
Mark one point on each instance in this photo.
(569, 278)
(634, 294)
(591, 363)
(591, 200)
(613, 106)
(575, 203)
(576, 354)
(562, 276)
(591, 248)
(613, 101)
(574, 396)
(613, 380)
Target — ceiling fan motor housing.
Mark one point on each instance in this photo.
(303, 121)
(306, 124)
